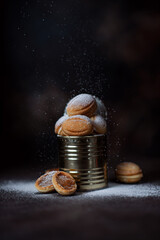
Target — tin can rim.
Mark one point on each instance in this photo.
(89, 136)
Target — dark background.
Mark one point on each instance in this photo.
(53, 50)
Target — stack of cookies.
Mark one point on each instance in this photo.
(84, 115)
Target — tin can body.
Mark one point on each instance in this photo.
(85, 158)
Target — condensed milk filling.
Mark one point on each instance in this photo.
(65, 181)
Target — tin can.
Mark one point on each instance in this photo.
(85, 158)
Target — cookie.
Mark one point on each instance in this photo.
(44, 183)
(64, 183)
(99, 124)
(101, 109)
(58, 125)
(78, 125)
(128, 172)
(82, 104)
(130, 179)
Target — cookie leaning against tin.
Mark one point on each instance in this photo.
(44, 182)
(82, 104)
(64, 183)
(78, 125)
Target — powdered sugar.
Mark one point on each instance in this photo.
(99, 121)
(127, 190)
(101, 109)
(61, 120)
(82, 100)
(46, 179)
(60, 130)
(21, 187)
(114, 190)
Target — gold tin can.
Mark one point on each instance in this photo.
(85, 158)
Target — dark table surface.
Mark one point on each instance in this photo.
(119, 212)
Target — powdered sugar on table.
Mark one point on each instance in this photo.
(114, 190)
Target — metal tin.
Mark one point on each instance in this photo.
(84, 157)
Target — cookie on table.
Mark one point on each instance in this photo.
(128, 172)
(44, 183)
(64, 183)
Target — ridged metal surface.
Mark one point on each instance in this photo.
(85, 159)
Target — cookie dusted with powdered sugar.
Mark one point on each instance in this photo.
(44, 183)
(78, 125)
(58, 125)
(101, 109)
(99, 124)
(64, 183)
(82, 104)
